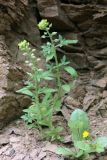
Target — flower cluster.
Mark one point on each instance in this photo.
(43, 24)
(29, 53)
(23, 45)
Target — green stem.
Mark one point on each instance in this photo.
(56, 61)
(36, 93)
(36, 84)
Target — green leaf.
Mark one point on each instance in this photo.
(71, 71)
(47, 75)
(84, 145)
(66, 88)
(48, 51)
(25, 91)
(100, 144)
(102, 141)
(48, 78)
(79, 154)
(57, 104)
(54, 133)
(51, 54)
(64, 151)
(46, 90)
(99, 149)
(49, 57)
(66, 42)
(78, 123)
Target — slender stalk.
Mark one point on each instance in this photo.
(56, 61)
(34, 71)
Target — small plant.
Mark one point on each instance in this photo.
(84, 144)
(41, 110)
(45, 100)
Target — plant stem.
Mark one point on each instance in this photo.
(36, 84)
(56, 61)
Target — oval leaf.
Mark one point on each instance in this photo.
(71, 71)
(25, 91)
(64, 151)
(78, 123)
(66, 88)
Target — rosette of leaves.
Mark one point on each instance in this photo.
(79, 123)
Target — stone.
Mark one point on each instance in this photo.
(51, 10)
(11, 12)
(71, 101)
(102, 83)
(104, 94)
(3, 140)
(9, 75)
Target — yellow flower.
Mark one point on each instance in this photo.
(23, 45)
(85, 134)
(43, 24)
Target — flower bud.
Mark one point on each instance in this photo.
(30, 64)
(40, 69)
(38, 59)
(25, 53)
(26, 62)
(33, 50)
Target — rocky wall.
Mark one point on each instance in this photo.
(17, 22)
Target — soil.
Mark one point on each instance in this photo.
(19, 143)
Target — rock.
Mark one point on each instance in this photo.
(53, 12)
(19, 157)
(88, 101)
(100, 66)
(11, 12)
(103, 158)
(3, 140)
(71, 101)
(104, 94)
(102, 83)
(9, 77)
(4, 149)
(65, 112)
(14, 139)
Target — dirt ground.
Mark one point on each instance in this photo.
(90, 94)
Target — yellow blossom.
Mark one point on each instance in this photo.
(85, 134)
(23, 45)
(43, 24)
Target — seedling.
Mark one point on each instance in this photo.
(84, 144)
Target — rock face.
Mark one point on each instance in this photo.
(10, 78)
(17, 22)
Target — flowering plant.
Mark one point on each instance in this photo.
(45, 100)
